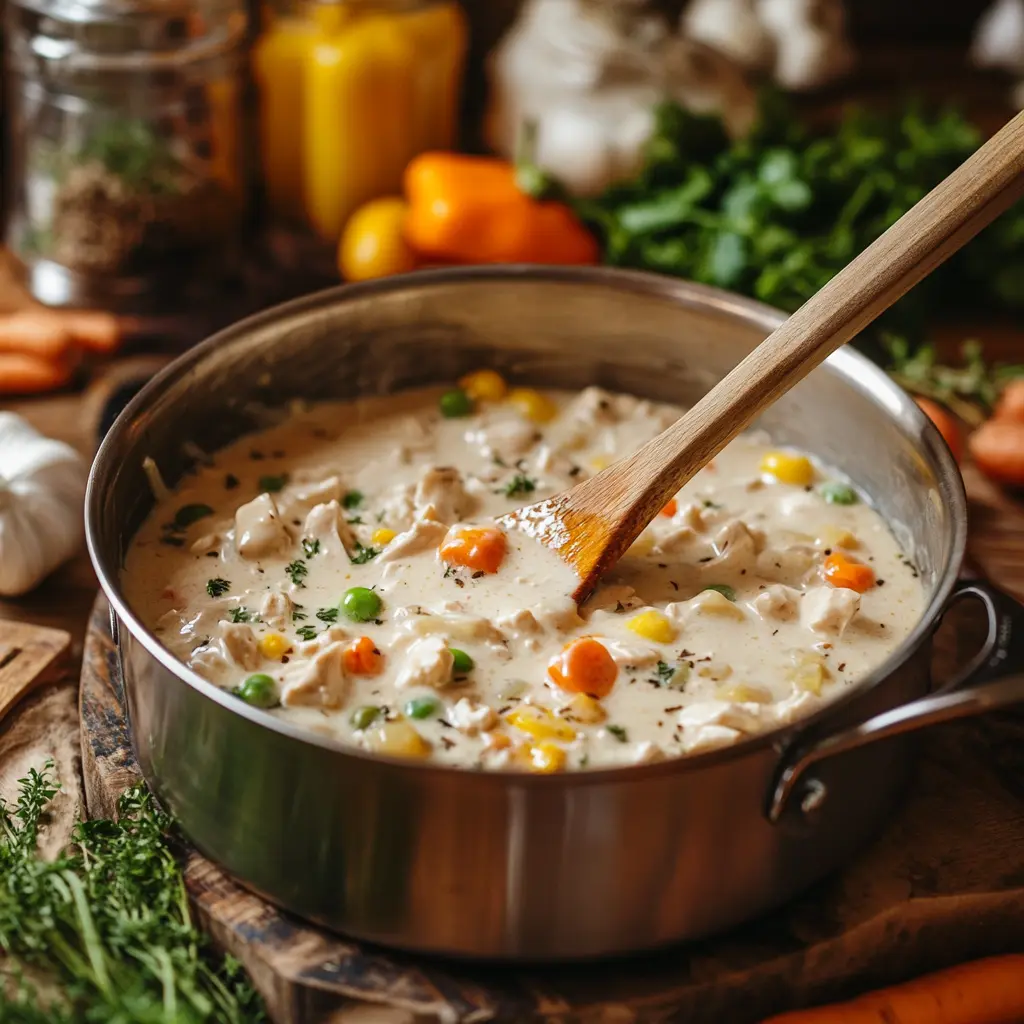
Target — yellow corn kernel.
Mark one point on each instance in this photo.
(540, 723)
(787, 468)
(399, 739)
(533, 405)
(599, 462)
(382, 535)
(586, 709)
(643, 545)
(273, 646)
(837, 537)
(652, 625)
(484, 386)
(545, 758)
(741, 693)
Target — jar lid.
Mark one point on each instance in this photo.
(63, 29)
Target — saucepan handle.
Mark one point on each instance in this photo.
(993, 679)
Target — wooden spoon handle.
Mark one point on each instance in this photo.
(944, 220)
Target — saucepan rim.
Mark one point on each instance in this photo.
(855, 370)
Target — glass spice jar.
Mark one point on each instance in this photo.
(127, 170)
(349, 92)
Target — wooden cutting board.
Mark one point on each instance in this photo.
(945, 883)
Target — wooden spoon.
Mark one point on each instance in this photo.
(592, 525)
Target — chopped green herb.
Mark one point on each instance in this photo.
(352, 499)
(297, 571)
(306, 632)
(327, 614)
(241, 614)
(298, 612)
(171, 541)
(708, 503)
(836, 493)
(520, 484)
(724, 589)
(189, 514)
(310, 547)
(664, 672)
(619, 732)
(230, 482)
(217, 586)
(355, 521)
(273, 484)
(363, 554)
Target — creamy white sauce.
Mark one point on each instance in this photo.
(253, 586)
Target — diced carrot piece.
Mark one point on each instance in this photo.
(481, 548)
(671, 508)
(584, 666)
(39, 333)
(843, 571)
(363, 658)
(22, 374)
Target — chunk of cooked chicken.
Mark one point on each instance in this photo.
(626, 654)
(326, 524)
(441, 496)
(736, 547)
(276, 609)
(321, 682)
(427, 662)
(778, 602)
(472, 717)
(209, 662)
(829, 609)
(259, 529)
(295, 501)
(239, 643)
(507, 439)
(744, 717)
(423, 535)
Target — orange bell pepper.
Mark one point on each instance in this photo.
(469, 209)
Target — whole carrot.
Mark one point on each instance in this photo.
(983, 992)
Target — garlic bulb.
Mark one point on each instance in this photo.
(810, 43)
(589, 79)
(732, 27)
(42, 489)
(999, 37)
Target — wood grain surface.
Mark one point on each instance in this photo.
(944, 883)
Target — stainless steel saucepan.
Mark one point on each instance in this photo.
(506, 865)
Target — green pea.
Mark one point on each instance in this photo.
(422, 707)
(837, 493)
(724, 589)
(259, 690)
(461, 661)
(364, 717)
(455, 403)
(360, 604)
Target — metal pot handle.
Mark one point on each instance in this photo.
(993, 679)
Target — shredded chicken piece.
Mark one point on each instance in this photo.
(472, 717)
(711, 602)
(331, 635)
(744, 717)
(627, 654)
(321, 682)
(736, 547)
(441, 496)
(423, 535)
(506, 439)
(209, 662)
(239, 645)
(829, 609)
(790, 565)
(326, 523)
(276, 609)
(259, 530)
(428, 662)
(708, 737)
(778, 602)
(297, 500)
(455, 626)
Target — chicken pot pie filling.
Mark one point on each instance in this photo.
(343, 570)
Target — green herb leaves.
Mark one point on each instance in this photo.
(273, 484)
(297, 571)
(189, 514)
(218, 586)
(363, 554)
(107, 917)
(520, 484)
(310, 547)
